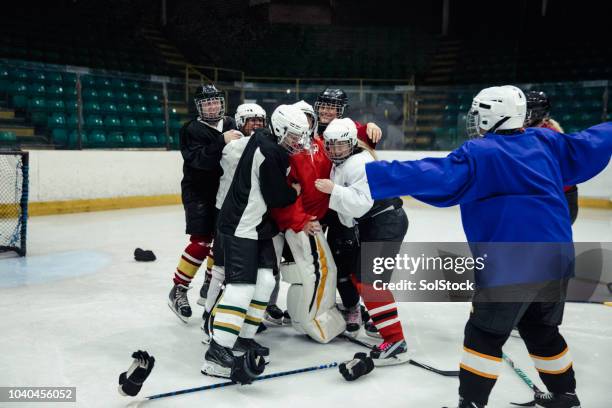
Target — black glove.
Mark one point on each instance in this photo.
(130, 381)
(144, 255)
(247, 367)
(360, 365)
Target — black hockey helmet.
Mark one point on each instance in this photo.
(210, 103)
(538, 108)
(330, 97)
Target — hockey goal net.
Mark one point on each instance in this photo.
(13, 201)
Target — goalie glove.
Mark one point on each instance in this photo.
(360, 365)
(130, 381)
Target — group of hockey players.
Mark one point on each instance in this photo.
(292, 196)
(258, 191)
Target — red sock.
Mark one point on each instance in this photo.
(383, 311)
(193, 256)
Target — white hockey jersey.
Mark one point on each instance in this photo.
(350, 197)
(229, 161)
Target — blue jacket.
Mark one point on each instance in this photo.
(509, 187)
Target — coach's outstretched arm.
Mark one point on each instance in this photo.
(584, 154)
(442, 182)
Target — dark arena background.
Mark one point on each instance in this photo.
(93, 96)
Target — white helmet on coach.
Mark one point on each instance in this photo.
(290, 126)
(310, 113)
(340, 138)
(247, 111)
(496, 108)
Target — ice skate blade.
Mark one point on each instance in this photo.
(374, 335)
(396, 360)
(205, 337)
(276, 322)
(215, 370)
(352, 335)
(183, 319)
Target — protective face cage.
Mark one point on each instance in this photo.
(331, 103)
(337, 151)
(210, 110)
(293, 142)
(472, 124)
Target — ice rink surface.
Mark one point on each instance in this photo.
(78, 305)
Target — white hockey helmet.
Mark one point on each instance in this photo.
(309, 111)
(340, 138)
(290, 126)
(249, 110)
(496, 108)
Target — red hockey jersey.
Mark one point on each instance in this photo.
(306, 167)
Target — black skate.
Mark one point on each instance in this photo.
(243, 345)
(207, 322)
(554, 400)
(467, 404)
(218, 361)
(390, 353)
(286, 318)
(274, 315)
(178, 302)
(204, 289)
(371, 330)
(353, 321)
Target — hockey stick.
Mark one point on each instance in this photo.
(229, 383)
(446, 373)
(525, 379)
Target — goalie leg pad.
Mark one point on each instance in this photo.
(311, 300)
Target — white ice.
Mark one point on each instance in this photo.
(73, 311)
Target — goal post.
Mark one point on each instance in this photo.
(14, 166)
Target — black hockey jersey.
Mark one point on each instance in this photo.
(259, 184)
(201, 147)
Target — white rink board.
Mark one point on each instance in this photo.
(90, 174)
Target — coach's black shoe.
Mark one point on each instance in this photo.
(554, 400)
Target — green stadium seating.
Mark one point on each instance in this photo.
(128, 124)
(124, 108)
(7, 137)
(115, 139)
(140, 110)
(59, 136)
(94, 122)
(132, 139)
(112, 123)
(145, 125)
(56, 105)
(56, 120)
(109, 107)
(96, 138)
(91, 107)
(149, 139)
(106, 95)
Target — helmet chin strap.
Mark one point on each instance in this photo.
(498, 124)
(321, 127)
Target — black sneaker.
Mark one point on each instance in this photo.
(554, 400)
(178, 302)
(218, 361)
(243, 345)
(286, 318)
(274, 315)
